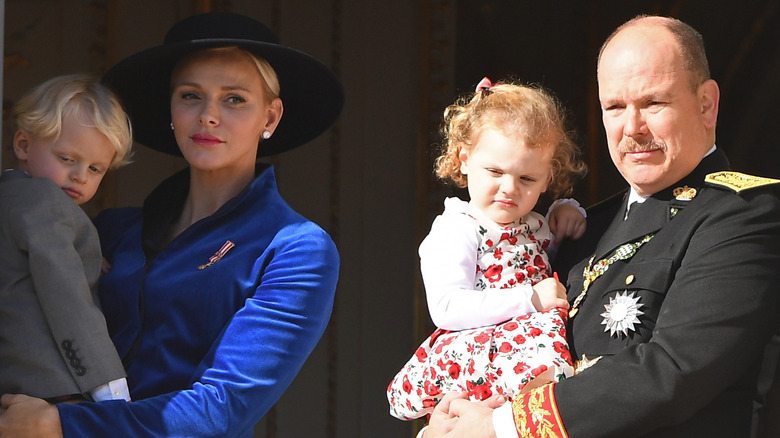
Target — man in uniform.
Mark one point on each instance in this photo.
(677, 289)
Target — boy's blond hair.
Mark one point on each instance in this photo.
(41, 110)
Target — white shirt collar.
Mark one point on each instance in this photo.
(633, 196)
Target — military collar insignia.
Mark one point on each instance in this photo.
(684, 193)
(622, 313)
(738, 182)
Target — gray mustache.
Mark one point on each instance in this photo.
(631, 145)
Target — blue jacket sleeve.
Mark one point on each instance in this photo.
(250, 365)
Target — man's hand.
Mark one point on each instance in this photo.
(442, 421)
(457, 417)
(22, 416)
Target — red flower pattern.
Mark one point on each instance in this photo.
(444, 341)
(509, 237)
(539, 370)
(498, 359)
(479, 391)
(539, 263)
(562, 350)
(491, 360)
(493, 273)
(521, 368)
(407, 385)
(482, 338)
(421, 354)
(510, 326)
(431, 388)
(454, 370)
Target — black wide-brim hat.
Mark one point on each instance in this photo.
(311, 94)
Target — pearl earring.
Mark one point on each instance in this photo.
(171, 126)
(266, 134)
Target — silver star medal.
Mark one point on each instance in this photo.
(622, 313)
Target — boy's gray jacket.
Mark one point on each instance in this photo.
(53, 337)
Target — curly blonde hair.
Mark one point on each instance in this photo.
(527, 111)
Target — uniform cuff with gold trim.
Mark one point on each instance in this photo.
(536, 414)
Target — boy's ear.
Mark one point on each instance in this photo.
(21, 144)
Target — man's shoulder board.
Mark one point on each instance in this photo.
(738, 182)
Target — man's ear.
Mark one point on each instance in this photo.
(709, 97)
(22, 141)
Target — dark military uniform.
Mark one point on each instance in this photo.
(681, 324)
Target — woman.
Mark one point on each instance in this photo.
(218, 290)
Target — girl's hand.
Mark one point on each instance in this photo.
(566, 222)
(22, 416)
(549, 294)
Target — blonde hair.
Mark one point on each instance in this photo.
(270, 80)
(271, 86)
(41, 110)
(529, 112)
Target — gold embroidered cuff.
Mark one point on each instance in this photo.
(536, 414)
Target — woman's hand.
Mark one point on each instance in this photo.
(22, 416)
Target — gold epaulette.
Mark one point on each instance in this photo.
(738, 182)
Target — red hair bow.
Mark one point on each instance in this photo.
(485, 84)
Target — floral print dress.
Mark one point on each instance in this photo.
(500, 358)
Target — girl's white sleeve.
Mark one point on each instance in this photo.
(448, 262)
